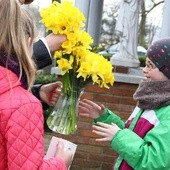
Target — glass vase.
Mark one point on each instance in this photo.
(64, 117)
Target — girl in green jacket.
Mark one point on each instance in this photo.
(142, 142)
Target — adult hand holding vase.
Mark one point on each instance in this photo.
(79, 65)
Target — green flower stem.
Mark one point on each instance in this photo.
(54, 118)
(64, 118)
(73, 111)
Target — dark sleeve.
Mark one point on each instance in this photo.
(41, 55)
(36, 92)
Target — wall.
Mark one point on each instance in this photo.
(92, 155)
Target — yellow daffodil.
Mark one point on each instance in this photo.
(78, 64)
(57, 54)
(65, 65)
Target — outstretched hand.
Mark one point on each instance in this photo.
(90, 109)
(106, 131)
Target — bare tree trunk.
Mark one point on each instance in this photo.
(142, 25)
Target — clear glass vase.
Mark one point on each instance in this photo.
(64, 117)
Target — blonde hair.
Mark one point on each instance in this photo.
(15, 25)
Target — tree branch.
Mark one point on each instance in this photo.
(154, 5)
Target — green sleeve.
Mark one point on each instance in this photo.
(151, 152)
(109, 117)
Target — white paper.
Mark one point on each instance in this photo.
(52, 149)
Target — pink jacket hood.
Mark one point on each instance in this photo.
(21, 128)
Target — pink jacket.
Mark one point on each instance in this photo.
(21, 128)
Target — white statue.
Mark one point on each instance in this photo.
(127, 27)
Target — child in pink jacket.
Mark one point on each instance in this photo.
(21, 114)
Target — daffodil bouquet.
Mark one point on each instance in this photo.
(79, 65)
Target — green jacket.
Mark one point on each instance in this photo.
(143, 143)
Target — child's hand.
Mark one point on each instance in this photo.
(50, 93)
(105, 130)
(90, 109)
(66, 155)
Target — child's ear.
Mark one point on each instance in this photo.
(30, 45)
(29, 40)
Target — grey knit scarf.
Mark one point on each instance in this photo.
(152, 94)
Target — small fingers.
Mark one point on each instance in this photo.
(84, 114)
(83, 104)
(99, 128)
(100, 133)
(102, 140)
(83, 109)
(60, 145)
(104, 125)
